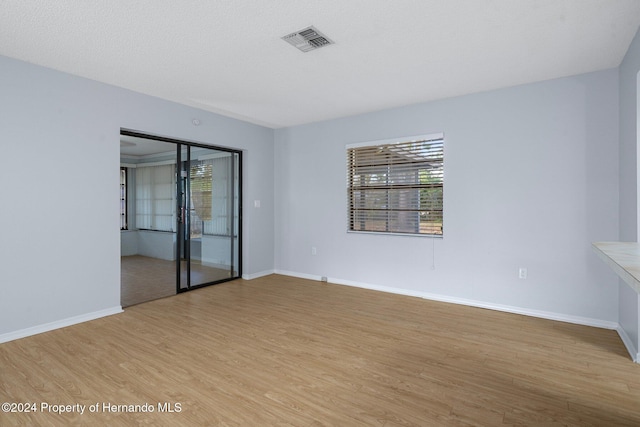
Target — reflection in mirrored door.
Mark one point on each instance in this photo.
(148, 235)
(209, 192)
(181, 219)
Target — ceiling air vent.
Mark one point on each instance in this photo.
(308, 39)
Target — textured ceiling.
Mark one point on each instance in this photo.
(227, 56)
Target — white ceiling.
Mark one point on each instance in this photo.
(226, 56)
(131, 146)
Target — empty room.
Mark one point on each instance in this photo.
(333, 213)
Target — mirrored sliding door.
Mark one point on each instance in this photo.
(180, 216)
(209, 207)
(148, 226)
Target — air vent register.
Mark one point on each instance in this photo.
(307, 39)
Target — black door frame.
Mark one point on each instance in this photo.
(180, 226)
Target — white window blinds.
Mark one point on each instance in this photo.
(396, 186)
(155, 197)
(212, 195)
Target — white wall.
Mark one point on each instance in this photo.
(129, 242)
(531, 179)
(157, 244)
(61, 242)
(216, 250)
(629, 300)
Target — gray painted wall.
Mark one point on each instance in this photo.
(157, 244)
(61, 245)
(629, 304)
(129, 242)
(531, 179)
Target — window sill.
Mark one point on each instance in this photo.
(384, 233)
(623, 258)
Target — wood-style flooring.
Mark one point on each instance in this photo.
(280, 351)
(144, 279)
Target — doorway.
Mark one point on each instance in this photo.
(181, 210)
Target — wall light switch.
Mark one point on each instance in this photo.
(522, 273)
(256, 203)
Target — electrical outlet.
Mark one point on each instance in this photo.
(522, 273)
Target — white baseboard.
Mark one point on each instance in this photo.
(463, 301)
(256, 275)
(212, 264)
(34, 330)
(299, 275)
(633, 351)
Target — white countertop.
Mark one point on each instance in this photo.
(623, 258)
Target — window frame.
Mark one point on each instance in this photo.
(391, 209)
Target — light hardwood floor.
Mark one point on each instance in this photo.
(144, 279)
(291, 352)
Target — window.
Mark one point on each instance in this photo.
(201, 202)
(396, 186)
(211, 181)
(123, 198)
(155, 197)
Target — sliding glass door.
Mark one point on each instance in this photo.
(148, 226)
(183, 206)
(208, 220)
